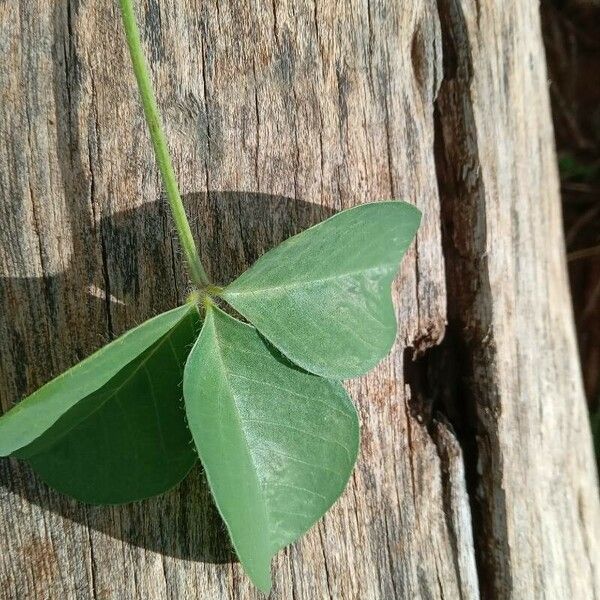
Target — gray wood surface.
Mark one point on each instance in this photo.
(475, 476)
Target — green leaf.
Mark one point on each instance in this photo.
(112, 429)
(277, 444)
(323, 296)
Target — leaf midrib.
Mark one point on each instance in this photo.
(384, 269)
(238, 417)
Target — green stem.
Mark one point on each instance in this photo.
(163, 158)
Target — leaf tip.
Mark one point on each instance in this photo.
(263, 581)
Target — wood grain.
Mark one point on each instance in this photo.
(535, 488)
(279, 114)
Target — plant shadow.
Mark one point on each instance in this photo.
(138, 272)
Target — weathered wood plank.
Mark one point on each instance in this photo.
(327, 106)
(278, 114)
(533, 480)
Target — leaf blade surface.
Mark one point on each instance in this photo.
(130, 440)
(323, 297)
(278, 444)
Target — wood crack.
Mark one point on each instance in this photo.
(327, 575)
(92, 561)
(460, 406)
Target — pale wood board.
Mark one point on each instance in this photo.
(279, 114)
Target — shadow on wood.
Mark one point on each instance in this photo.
(237, 227)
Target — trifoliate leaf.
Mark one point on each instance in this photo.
(112, 429)
(323, 296)
(277, 444)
